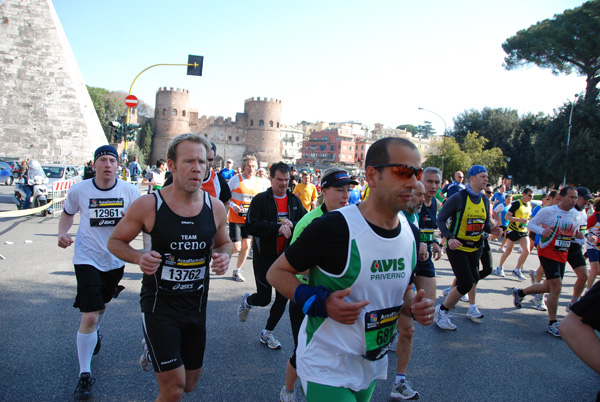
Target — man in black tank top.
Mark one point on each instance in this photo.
(188, 232)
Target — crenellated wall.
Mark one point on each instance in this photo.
(234, 138)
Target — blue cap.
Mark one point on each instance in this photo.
(105, 150)
(475, 170)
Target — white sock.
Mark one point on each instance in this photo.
(85, 350)
(472, 306)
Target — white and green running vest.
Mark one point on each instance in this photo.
(377, 269)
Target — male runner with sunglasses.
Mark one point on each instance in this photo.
(469, 211)
(365, 255)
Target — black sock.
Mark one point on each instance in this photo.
(520, 293)
(552, 322)
(442, 307)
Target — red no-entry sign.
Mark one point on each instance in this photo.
(131, 101)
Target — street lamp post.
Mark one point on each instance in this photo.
(569, 139)
(444, 142)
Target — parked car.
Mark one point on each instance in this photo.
(14, 165)
(6, 175)
(60, 172)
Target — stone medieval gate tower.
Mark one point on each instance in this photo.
(263, 132)
(172, 117)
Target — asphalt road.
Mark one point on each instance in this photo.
(508, 357)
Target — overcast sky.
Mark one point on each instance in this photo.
(371, 62)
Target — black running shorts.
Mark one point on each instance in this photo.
(588, 307)
(552, 268)
(575, 257)
(175, 340)
(237, 232)
(514, 235)
(95, 288)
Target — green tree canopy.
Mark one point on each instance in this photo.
(426, 129)
(566, 42)
(471, 151)
(408, 127)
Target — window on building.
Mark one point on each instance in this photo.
(313, 155)
(315, 139)
(277, 124)
(261, 123)
(362, 147)
(164, 112)
(307, 147)
(270, 123)
(251, 122)
(237, 138)
(174, 112)
(183, 113)
(323, 147)
(350, 147)
(313, 147)
(229, 138)
(324, 139)
(339, 147)
(332, 148)
(344, 147)
(156, 112)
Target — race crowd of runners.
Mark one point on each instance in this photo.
(355, 258)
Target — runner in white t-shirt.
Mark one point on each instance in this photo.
(101, 202)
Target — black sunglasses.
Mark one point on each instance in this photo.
(403, 171)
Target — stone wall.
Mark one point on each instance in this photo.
(45, 110)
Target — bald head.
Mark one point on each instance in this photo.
(417, 199)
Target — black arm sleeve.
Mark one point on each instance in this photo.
(451, 206)
(323, 242)
(225, 195)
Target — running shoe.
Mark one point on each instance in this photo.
(145, 362)
(285, 396)
(474, 314)
(442, 320)
(244, 308)
(98, 344)
(518, 274)
(539, 302)
(553, 329)
(250, 254)
(446, 292)
(532, 276)
(465, 298)
(237, 276)
(569, 305)
(500, 271)
(267, 338)
(517, 300)
(84, 387)
(500, 250)
(402, 390)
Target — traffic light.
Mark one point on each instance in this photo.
(132, 131)
(196, 65)
(117, 130)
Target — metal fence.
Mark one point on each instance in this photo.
(59, 194)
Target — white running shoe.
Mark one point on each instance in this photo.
(402, 390)
(532, 276)
(268, 339)
(244, 308)
(553, 329)
(517, 300)
(442, 320)
(500, 271)
(539, 302)
(285, 396)
(465, 298)
(446, 292)
(518, 273)
(474, 314)
(145, 362)
(237, 276)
